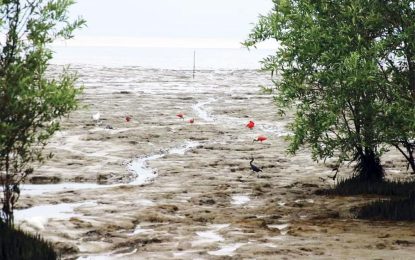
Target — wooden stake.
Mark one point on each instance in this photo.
(194, 63)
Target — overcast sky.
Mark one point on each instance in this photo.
(109, 22)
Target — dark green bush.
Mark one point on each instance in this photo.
(18, 245)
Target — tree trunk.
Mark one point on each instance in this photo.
(411, 162)
(7, 206)
(368, 167)
(7, 195)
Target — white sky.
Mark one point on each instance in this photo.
(167, 22)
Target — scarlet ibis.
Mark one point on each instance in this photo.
(250, 125)
(128, 118)
(96, 117)
(260, 138)
(180, 115)
(254, 168)
(192, 120)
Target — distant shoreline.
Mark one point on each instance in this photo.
(162, 58)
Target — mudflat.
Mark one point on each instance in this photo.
(160, 187)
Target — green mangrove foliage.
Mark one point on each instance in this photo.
(348, 67)
(30, 102)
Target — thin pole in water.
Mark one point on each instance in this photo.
(194, 63)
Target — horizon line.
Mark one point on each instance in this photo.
(159, 42)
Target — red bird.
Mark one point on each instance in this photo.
(260, 138)
(192, 120)
(180, 115)
(128, 118)
(250, 125)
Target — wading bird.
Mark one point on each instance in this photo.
(254, 168)
(128, 118)
(260, 138)
(336, 169)
(192, 120)
(180, 115)
(96, 117)
(250, 125)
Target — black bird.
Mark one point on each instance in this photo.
(336, 168)
(254, 167)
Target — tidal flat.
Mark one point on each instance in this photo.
(160, 187)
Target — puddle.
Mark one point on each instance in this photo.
(144, 202)
(184, 148)
(281, 227)
(39, 189)
(240, 199)
(207, 237)
(210, 236)
(139, 230)
(276, 130)
(38, 216)
(126, 254)
(227, 250)
(270, 245)
(94, 258)
(305, 200)
(109, 256)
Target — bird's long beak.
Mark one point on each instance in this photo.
(254, 140)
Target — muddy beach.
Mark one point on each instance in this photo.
(160, 187)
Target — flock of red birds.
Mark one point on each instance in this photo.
(260, 138)
(250, 125)
(181, 116)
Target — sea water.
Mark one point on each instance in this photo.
(162, 58)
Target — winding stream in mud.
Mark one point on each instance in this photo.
(39, 215)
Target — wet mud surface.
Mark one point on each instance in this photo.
(159, 187)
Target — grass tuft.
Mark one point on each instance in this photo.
(394, 209)
(355, 186)
(400, 208)
(18, 245)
